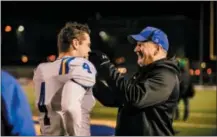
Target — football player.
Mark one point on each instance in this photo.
(64, 87)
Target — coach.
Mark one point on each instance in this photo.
(149, 98)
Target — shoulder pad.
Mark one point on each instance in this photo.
(79, 69)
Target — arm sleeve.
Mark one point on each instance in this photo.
(26, 118)
(152, 91)
(18, 112)
(72, 96)
(107, 96)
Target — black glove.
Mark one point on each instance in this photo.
(98, 59)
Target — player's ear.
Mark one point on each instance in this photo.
(75, 43)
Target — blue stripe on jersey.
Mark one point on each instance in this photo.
(43, 92)
(41, 97)
(41, 105)
(60, 71)
(64, 66)
(67, 64)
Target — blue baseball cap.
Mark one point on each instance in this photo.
(151, 34)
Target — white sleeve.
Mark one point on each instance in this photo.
(79, 70)
(71, 105)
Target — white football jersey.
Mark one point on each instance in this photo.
(63, 85)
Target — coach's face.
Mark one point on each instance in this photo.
(145, 52)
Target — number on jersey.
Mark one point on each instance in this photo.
(86, 67)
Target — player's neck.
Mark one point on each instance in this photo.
(64, 54)
(67, 54)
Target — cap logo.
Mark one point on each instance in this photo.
(156, 40)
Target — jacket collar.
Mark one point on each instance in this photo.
(150, 66)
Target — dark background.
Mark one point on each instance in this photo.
(43, 21)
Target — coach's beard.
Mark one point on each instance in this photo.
(144, 59)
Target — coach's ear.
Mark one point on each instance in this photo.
(75, 43)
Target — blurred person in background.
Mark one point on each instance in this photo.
(16, 116)
(64, 87)
(146, 101)
(186, 89)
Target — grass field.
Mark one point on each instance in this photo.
(202, 120)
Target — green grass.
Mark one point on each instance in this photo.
(195, 131)
(31, 98)
(202, 112)
(204, 102)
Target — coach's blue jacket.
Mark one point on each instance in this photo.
(15, 111)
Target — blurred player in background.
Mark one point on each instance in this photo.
(16, 116)
(64, 87)
(186, 89)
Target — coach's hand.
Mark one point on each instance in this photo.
(98, 58)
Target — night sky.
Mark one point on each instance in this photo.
(43, 20)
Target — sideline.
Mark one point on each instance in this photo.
(112, 123)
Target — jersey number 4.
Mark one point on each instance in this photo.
(86, 67)
(41, 104)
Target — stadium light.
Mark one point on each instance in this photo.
(191, 71)
(197, 72)
(209, 71)
(203, 65)
(20, 28)
(104, 35)
(8, 28)
(24, 59)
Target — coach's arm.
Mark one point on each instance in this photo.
(107, 95)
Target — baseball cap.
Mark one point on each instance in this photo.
(151, 34)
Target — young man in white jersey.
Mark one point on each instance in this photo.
(64, 87)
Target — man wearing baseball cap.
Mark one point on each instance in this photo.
(149, 98)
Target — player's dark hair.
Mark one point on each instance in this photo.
(69, 32)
